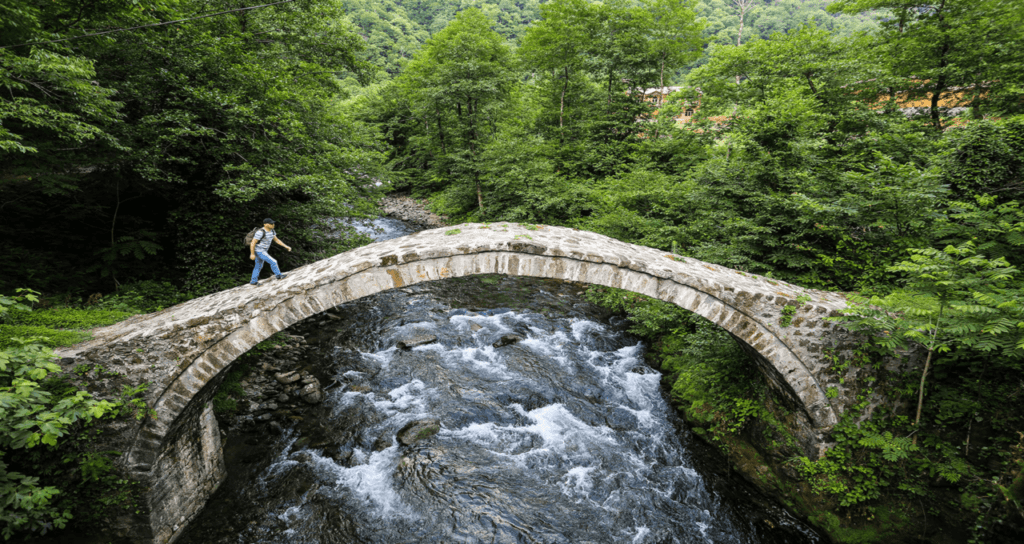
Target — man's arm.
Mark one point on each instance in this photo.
(252, 249)
(282, 244)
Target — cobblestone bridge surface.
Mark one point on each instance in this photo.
(182, 351)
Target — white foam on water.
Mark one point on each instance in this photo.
(382, 357)
(435, 346)
(580, 327)
(482, 358)
(379, 229)
(369, 481)
(642, 389)
(495, 323)
(353, 374)
(409, 399)
(291, 515)
(577, 482)
(558, 427)
(559, 431)
(644, 418)
(641, 532)
(485, 434)
(547, 345)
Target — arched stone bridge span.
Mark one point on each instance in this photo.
(182, 351)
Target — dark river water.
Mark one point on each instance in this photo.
(564, 436)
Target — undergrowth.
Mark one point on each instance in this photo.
(966, 467)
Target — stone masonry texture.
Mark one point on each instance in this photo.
(182, 351)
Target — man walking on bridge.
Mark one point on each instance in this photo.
(258, 251)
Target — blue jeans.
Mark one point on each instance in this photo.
(261, 257)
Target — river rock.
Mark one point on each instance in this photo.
(282, 398)
(420, 340)
(410, 210)
(383, 442)
(418, 430)
(506, 340)
(312, 393)
(474, 327)
(286, 378)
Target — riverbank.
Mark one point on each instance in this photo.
(873, 485)
(411, 210)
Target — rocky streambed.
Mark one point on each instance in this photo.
(485, 409)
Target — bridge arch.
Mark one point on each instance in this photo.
(183, 350)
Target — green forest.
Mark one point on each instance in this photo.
(872, 147)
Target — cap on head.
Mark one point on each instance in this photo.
(268, 221)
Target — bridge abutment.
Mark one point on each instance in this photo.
(186, 473)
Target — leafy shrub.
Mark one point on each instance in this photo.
(34, 417)
(145, 297)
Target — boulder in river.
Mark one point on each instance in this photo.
(286, 378)
(418, 430)
(420, 340)
(312, 393)
(506, 340)
(383, 442)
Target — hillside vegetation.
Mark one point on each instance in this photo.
(867, 146)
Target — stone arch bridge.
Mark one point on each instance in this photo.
(182, 351)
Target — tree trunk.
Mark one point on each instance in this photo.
(440, 132)
(920, 392)
(743, 6)
(479, 194)
(739, 38)
(940, 87)
(924, 374)
(561, 102)
(940, 82)
(662, 80)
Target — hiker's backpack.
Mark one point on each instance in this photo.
(250, 236)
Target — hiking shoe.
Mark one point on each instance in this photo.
(257, 284)
(282, 276)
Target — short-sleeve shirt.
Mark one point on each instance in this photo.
(265, 239)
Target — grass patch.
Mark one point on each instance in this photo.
(68, 318)
(49, 337)
(452, 232)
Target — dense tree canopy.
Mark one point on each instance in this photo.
(113, 142)
(870, 146)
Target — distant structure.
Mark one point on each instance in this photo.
(951, 104)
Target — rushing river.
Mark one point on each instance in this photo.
(564, 436)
